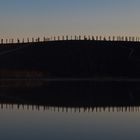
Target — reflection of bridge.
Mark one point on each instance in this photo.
(74, 94)
(68, 109)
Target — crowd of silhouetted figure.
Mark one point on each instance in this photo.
(62, 38)
(68, 109)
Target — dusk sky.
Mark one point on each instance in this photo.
(33, 18)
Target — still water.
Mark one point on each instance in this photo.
(55, 124)
(22, 117)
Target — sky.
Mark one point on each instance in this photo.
(33, 18)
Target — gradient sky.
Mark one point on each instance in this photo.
(32, 18)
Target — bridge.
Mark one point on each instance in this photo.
(76, 37)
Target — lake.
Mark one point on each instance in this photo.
(70, 110)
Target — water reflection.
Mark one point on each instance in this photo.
(87, 94)
(70, 110)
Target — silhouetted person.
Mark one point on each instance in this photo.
(129, 38)
(18, 41)
(113, 38)
(63, 38)
(67, 37)
(93, 38)
(1, 41)
(12, 40)
(6, 41)
(79, 37)
(58, 38)
(38, 40)
(109, 38)
(54, 38)
(44, 39)
(96, 37)
(85, 38)
(28, 40)
(104, 39)
(126, 39)
(89, 37)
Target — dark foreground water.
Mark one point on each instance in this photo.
(70, 110)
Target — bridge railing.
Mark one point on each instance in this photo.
(63, 38)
